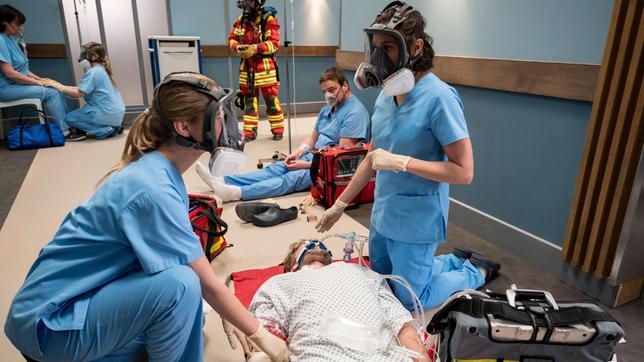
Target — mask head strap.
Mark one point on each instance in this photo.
(218, 97)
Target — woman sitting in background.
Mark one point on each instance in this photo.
(102, 115)
(16, 81)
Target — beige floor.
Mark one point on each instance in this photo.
(61, 178)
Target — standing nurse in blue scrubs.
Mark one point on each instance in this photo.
(420, 145)
(123, 277)
(102, 114)
(16, 81)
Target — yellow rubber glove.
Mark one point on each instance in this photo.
(331, 216)
(246, 50)
(385, 160)
(273, 346)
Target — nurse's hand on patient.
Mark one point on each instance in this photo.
(385, 160)
(273, 346)
(52, 83)
(235, 337)
(331, 216)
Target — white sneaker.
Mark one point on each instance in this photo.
(218, 185)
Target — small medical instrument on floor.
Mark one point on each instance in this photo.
(310, 216)
(277, 156)
(332, 168)
(525, 325)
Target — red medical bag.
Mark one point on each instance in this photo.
(206, 222)
(331, 170)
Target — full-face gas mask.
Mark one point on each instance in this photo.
(226, 151)
(83, 59)
(249, 7)
(309, 247)
(379, 70)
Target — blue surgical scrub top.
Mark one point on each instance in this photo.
(407, 207)
(10, 53)
(136, 220)
(350, 120)
(100, 93)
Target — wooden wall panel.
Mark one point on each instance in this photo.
(41, 50)
(561, 80)
(613, 146)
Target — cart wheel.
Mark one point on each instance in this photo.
(276, 156)
(260, 165)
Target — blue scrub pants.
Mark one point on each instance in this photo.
(159, 315)
(432, 278)
(273, 180)
(53, 100)
(100, 124)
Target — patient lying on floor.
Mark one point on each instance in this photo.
(313, 297)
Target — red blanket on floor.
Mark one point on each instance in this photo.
(248, 281)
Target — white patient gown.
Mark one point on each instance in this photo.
(297, 304)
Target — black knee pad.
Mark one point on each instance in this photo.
(271, 108)
(249, 104)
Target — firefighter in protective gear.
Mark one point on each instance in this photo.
(255, 39)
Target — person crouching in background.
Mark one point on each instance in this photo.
(102, 115)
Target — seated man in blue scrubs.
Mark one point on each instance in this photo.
(16, 81)
(102, 115)
(342, 121)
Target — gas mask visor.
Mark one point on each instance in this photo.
(83, 58)
(227, 156)
(387, 53)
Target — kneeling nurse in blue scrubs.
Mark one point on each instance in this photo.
(123, 278)
(102, 115)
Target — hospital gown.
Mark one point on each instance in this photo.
(297, 304)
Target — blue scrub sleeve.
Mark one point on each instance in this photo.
(317, 120)
(5, 54)
(354, 125)
(158, 228)
(447, 119)
(87, 83)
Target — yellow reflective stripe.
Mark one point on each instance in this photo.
(267, 73)
(267, 34)
(277, 125)
(217, 245)
(276, 118)
(264, 84)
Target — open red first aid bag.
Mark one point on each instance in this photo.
(205, 217)
(332, 168)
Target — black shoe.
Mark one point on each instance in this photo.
(246, 210)
(277, 137)
(274, 216)
(75, 135)
(491, 267)
(463, 253)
